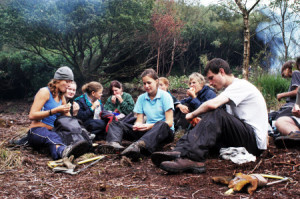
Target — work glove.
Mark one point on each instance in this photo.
(63, 164)
(195, 121)
(222, 179)
(251, 181)
(68, 162)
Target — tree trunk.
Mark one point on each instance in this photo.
(157, 62)
(283, 13)
(246, 56)
(172, 58)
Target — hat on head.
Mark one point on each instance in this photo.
(64, 73)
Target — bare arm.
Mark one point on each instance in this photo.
(169, 117)
(139, 118)
(39, 101)
(207, 106)
(287, 94)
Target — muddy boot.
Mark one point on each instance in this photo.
(110, 148)
(289, 141)
(183, 165)
(133, 151)
(159, 157)
(23, 141)
(77, 149)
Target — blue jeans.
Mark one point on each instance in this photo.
(42, 137)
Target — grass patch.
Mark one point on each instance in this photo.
(270, 85)
(9, 159)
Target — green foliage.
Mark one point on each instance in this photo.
(90, 35)
(22, 73)
(270, 85)
(178, 82)
(103, 40)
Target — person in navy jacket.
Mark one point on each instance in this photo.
(91, 112)
(197, 94)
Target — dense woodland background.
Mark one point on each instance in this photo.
(104, 40)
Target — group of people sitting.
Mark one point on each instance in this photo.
(237, 117)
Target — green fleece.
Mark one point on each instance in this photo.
(125, 107)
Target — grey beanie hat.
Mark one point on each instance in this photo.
(64, 73)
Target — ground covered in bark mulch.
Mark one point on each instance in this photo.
(24, 173)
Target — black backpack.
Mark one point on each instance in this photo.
(71, 130)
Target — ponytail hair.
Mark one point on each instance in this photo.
(151, 73)
(91, 86)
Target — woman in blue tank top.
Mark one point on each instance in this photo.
(48, 104)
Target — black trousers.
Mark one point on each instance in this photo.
(179, 120)
(159, 134)
(97, 127)
(283, 111)
(217, 129)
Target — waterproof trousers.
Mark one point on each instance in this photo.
(217, 129)
(97, 127)
(39, 137)
(159, 134)
(179, 120)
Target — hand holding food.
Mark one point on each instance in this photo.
(113, 99)
(119, 97)
(191, 92)
(141, 127)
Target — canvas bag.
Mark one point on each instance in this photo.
(71, 130)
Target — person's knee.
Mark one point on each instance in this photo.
(285, 125)
(282, 121)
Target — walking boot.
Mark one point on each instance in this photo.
(133, 151)
(183, 165)
(77, 149)
(289, 141)
(110, 148)
(162, 156)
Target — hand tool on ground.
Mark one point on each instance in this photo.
(72, 172)
(255, 180)
(60, 162)
(280, 179)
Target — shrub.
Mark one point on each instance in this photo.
(22, 73)
(270, 85)
(178, 82)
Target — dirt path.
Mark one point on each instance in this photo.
(113, 178)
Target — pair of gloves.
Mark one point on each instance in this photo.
(242, 180)
(62, 164)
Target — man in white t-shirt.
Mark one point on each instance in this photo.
(243, 124)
